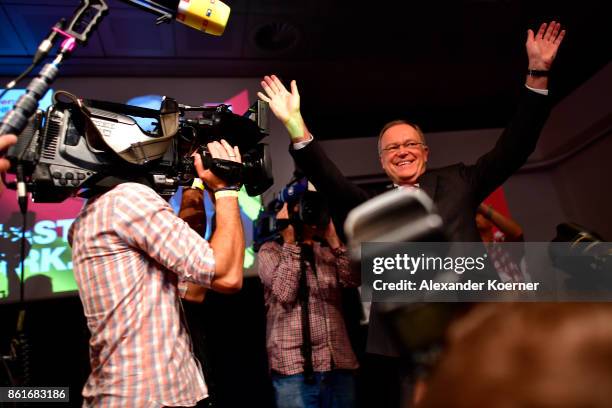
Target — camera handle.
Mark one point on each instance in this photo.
(83, 22)
(229, 171)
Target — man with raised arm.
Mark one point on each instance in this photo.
(457, 190)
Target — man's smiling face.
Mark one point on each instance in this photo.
(403, 154)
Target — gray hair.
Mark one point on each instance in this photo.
(399, 122)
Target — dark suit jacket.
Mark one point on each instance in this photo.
(457, 190)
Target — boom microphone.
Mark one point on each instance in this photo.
(209, 16)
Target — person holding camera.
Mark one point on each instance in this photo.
(309, 351)
(132, 259)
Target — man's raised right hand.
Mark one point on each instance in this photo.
(285, 105)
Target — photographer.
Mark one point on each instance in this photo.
(303, 279)
(132, 259)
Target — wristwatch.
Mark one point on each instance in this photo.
(536, 73)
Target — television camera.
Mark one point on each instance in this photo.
(88, 146)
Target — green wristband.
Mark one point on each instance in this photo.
(197, 183)
(295, 127)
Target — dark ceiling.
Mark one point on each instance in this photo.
(448, 65)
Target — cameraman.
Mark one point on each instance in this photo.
(317, 371)
(132, 259)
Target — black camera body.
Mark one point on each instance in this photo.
(90, 146)
(312, 210)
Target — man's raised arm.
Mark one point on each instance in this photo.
(520, 137)
(308, 155)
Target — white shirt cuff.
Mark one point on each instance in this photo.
(536, 90)
(302, 144)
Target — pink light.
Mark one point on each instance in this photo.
(69, 43)
(62, 32)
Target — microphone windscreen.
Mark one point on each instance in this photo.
(209, 16)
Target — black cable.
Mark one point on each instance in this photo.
(15, 81)
(11, 380)
(9, 374)
(41, 53)
(20, 348)
(22, 257)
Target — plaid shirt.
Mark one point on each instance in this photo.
(279, 269)
(129, 251)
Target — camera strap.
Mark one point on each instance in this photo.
(229, 171)
(306, 254)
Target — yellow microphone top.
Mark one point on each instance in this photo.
(209, 16)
